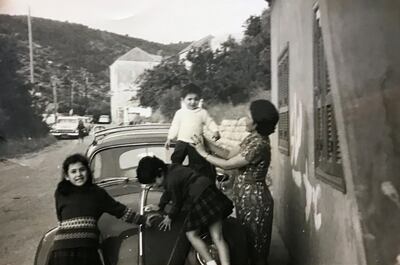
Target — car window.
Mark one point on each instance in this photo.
(67, 120)
(123, 161)
(131, 158)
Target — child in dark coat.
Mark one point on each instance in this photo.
(209, 206)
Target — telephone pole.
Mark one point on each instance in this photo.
(71, 104)
(32, 79)
(54, 86)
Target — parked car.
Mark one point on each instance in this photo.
(114, 158)
(67, 127)
(97, 128)
(104, 119)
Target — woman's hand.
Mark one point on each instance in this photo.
(216, 136)
(198, 144)
(165, 224)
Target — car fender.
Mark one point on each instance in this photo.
(44, 248)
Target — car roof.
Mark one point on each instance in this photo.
(149, 126)
(128, 135)
(69, 117)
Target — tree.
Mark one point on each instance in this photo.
(157, 81)
(170, 102)
(18, 117)
(230, 74)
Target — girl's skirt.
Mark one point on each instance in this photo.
(75, 256)
(211, 206)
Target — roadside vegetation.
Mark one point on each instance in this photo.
(219, 111)
(15, 147)
(72, 58)
(229, 76)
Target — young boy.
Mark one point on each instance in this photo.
(188, 121)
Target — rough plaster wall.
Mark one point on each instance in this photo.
(317, 221)
(364, 51)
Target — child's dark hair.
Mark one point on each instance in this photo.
(190, 89)
(150, 168)
(65, 186)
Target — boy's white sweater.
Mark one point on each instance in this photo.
(187, 123)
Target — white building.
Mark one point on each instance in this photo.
(124, 72)
(213, 42)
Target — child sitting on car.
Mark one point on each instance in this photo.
(188, 121)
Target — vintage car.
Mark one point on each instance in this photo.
(104, 119)
(67, 127)
(114, 156)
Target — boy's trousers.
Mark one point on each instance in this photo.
(196, 161)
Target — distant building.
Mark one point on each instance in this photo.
(125, 105)
(213, 42)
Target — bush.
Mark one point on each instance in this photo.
(170, 102)
(13, 147)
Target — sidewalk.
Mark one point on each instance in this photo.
(278, 254)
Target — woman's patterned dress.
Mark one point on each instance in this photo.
(252, 198)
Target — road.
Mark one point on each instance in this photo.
(27, 186)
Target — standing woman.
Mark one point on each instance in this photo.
(79, 205)
(253, 201)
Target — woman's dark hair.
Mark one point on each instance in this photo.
(150, 168)
(264, 115)
(190, 89)
(64, 186)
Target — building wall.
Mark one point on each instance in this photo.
(123, 77)
(363, 51)
(320, 224)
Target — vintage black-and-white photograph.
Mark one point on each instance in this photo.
(214, 132)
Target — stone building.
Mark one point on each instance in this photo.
(124, 72)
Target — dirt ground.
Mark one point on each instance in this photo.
(27, 211)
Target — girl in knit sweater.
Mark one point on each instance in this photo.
(79, 205)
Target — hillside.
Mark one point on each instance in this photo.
(72, 57)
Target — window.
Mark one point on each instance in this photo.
(328, 160)
(283, 101)
(122, 161)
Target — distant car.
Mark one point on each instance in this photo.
(114, 156)
(97, 128)
(67, 127)
(104, 119)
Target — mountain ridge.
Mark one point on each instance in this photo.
(72, 57)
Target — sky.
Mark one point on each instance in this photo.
(163, 21)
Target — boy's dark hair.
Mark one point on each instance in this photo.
(190, 89)
(150, 168)
(64, 186)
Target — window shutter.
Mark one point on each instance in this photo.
(328, 160)
(283, 102)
